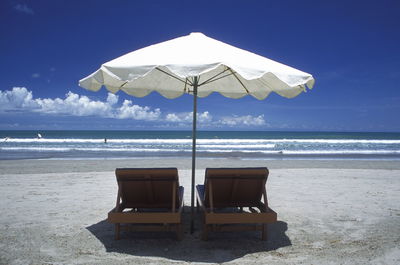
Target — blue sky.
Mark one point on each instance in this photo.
(352, 48)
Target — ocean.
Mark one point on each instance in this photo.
(210, 144)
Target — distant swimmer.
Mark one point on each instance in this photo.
(39, 136)
(5, 139)
(105, 140)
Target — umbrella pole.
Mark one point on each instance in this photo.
(195, 84)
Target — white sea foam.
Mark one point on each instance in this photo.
(311, 152)
(187, 150)
(255, 146)
(63, 149)
(202, 141)
(27, 148)
(342, 152)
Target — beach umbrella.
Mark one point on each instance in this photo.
(197, 65)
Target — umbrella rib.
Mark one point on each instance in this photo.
(211, 79)
(177, 78)
(234, 74)
(126, 82)
(216, 79)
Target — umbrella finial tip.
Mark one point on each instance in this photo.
(196, 33)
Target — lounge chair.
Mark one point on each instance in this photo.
(151, 198)
(226, 191)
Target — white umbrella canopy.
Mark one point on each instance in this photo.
(170, 67)
(197, 65)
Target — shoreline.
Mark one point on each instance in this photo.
(276, 155)
(103, 165)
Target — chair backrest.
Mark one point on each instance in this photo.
(148, 187)
(235, 187)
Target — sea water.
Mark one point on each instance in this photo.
(239, 144)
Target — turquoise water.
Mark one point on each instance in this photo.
(241, 144)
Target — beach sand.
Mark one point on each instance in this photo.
(329, 212)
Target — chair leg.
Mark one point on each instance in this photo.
(117, 230)
(264, 233)
(204, 235)
(179, 232)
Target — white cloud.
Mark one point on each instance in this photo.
(205, 119)
(19, 98)
(75, 105)
(23, 8)
(187, 117)
(246, 120)
(136, 112)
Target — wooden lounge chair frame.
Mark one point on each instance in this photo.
(234, 188)
(155, 197)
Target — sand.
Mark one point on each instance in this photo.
(329, 212)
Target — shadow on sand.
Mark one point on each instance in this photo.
(220, 247)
